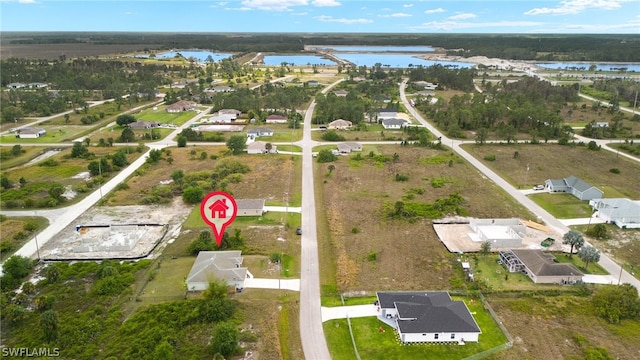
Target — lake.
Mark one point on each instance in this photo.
(199, 55)
(297, 60)
(396, 60)
(585, 66)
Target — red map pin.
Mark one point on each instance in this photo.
(218, 209)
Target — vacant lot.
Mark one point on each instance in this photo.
(552, 161)
(364, 249)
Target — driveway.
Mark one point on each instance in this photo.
(354, 311)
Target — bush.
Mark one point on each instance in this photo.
(332, 135)
(326, 155)
(614, 171)
(491, 157)
(401, 177)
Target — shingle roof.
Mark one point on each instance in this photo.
(250, 204)
(428, 312)
(217, 264)
(577, 183)
(542, 264)
(394, 121)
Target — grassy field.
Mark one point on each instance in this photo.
(562, 205)
(16, 231)
(371, 343)
(552, 161)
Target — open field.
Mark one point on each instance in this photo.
(362, 245)
(55, 51)
(552, 161)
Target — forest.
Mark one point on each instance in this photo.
(548, 47)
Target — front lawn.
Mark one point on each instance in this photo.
(562, 205)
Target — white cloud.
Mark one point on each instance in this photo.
(395, 15)
(300, 13)
(570, 7)
(454, 25)
(407, 5)
(433, 11)
(222, 3)
(331, 19)
(325, 3)
(272, 5)
(462, 16)
(128, 13)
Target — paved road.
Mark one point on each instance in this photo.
(538, 211)
(314, 344)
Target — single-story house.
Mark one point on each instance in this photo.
(500, 233)
(348, 147)
(276, 119)
(578, 188)
(340, 124)
(601, 124)
(313, 83)
(341, 93)
(222, 118)
(31, 133)
(16, 86)
(427, 317)
(623, 212)
(180, 106)
(385, 114)
(359, 78)
(142, 125)
(37, 85)
(426, 85)
(212, 265)
(260, 147)
(257, 132)
(394, 123)
(540, 267)
(250, 207)
(220, 89)
(230, 111)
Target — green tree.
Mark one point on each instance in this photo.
(127, 136)
(177, 176)
(49, 324)
(182, 141)
(588, 254)
(204, 242)
(125, 119)
(481, 136)
(14, 313)
(154, 156)
(485, 247)
(53, 273)
(79, 150)
(331, 168)
(237, 143)
(164, 351)
(119, 159)
(192, 194)
(573, 238)
(16, 150)
(616, 303)
(325, 155)
(598, 231)
(17, 266)
(225, 339)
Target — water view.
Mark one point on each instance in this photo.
(622, 67)
(297, 60)
(380, 48)
(199, 55)
(396, 60)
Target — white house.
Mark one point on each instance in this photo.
(340, 124)
(500, 233)
(394, 123)
(222, 118)
(540, 267)
(31, 133)
(348, 147)
(257, 132)
(427, 317)
(624, 213)
(217, 265)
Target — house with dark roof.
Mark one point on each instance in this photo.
(578, 188)
(539, 266)
(180, 106)
(250, 207)
(276, 119)
(217, 265)
(257, 132)
(142, 125)
(623, 212)
(30, 133)
(427, 317)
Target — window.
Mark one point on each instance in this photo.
(435, 336)
(453, 336)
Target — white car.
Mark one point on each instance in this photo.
(538, 187)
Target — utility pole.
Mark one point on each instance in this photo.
(35, 237)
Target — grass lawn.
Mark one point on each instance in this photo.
(593, 268)
(27, 154)
(168, 281)
(562, 205)
(16, 231)
(348, 301)
(375, 344)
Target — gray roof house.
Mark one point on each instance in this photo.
(212, 265)
(394, 123)
(142, 125)
(257, 132)
(624, 213)
(578, 188)
(30, 133)
(260, 147)
(250, 207)
(540, 267)
(427, 317)
(348, 147)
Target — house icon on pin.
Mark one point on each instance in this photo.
(219, 209)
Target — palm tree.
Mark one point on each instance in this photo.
(573, 238)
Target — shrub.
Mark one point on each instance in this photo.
(614, 171)
(332, 135)
(490, 157)
(401, 177)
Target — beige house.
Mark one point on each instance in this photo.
(217, 265)
(340, 124)
(250, 207)
(349, 147)
(540, 267)
(260, 147)
(180, 106)
(276, 119)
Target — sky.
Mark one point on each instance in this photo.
(339, 16)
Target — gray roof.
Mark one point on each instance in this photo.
(250, 204)
(428, 312)
(394, 121)
(259, 131)
(577, 184)
(618, 207)
(542, 264)
(225, 265)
